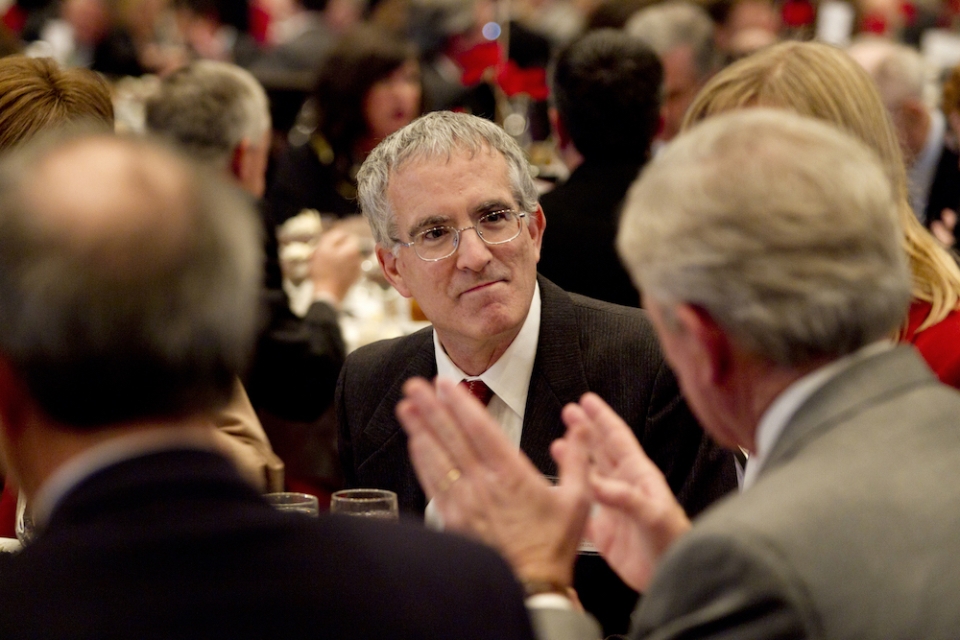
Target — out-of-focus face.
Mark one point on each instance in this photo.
(393, 102)
(479, 297)
(89, 18)
(687, 357)
(681, 84)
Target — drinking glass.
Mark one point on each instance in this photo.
(369, 503)
(295, 502)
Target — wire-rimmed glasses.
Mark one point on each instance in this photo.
(439, 242)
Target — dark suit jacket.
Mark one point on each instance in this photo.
(945, 189)
(849, 532)
(175, 545)
(582, 214)
(585, 345)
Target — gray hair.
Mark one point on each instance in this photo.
(664, 27)
(782, 228)
(436, 135)
(209, 108)
(899, 71)
(151, 314)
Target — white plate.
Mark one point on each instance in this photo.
(9, 545)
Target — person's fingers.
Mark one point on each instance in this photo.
(604, 456)
(480, 431)
(441, 424)
(612, 493)
(613, 440)
(949, 218)
(430, 462)
(572, 455)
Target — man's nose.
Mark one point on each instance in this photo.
(473, 253)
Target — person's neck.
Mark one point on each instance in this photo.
(44, 447)
(753, 389)
(475, 357)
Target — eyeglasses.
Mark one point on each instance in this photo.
(437, 243)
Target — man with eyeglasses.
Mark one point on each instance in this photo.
(454, 212)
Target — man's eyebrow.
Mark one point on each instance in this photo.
(493, 205)
(427, 223)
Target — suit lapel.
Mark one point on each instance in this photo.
(862, 385)
(558, 376)
(383, 424)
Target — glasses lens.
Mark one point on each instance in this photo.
(499, 226)
(435, 243)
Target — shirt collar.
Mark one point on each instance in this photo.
(779, 413)
(509, 376)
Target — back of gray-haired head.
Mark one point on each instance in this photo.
(782, 228)
(665, 27)
(208, 108)
(899, 71)
(436, 137)
(128, 280)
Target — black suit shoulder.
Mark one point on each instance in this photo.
(582, 215)
(372, 445)
(175, 545)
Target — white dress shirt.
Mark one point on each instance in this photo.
(509, 377)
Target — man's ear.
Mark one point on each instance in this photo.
(238, 160)
(713, 346)
(388, 262)
(536, 225)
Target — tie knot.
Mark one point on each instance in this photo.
(479, 389)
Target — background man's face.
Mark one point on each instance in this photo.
(680, 86)
(482, 293)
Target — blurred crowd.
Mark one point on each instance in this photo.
(342, 74)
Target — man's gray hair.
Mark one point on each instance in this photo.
(209, 108)
(436, 136)
(899, 71)
(132, 298)
(664, 27)
(782, 228)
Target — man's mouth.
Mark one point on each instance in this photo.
(481, 286)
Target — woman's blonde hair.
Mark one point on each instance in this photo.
(822, 82)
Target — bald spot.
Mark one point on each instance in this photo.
(113, 203)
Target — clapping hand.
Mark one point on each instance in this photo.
(636, 517)
(484, 487)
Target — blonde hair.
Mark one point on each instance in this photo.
(782, 228)
(822, 82)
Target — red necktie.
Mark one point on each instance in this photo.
(479, 389)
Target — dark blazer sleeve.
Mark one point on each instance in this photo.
(373, 446)
(297, 360)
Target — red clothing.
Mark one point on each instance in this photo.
(939, 345)
(8, 509)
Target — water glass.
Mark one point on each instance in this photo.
(295, 502)
(369, 503)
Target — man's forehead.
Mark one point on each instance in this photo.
(427, 158)
(481, 180)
